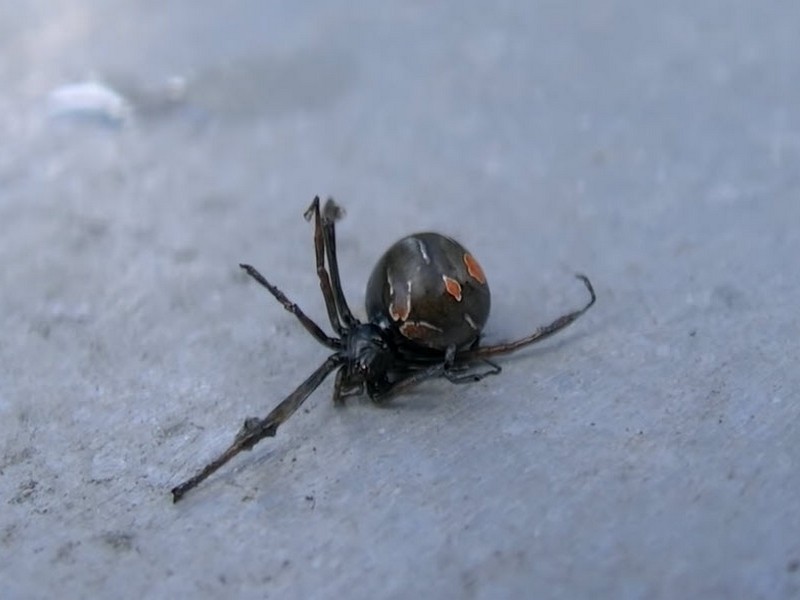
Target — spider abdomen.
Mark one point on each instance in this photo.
(431, 290)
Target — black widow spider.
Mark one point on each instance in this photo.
(427, 302)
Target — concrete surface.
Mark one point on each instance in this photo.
(651, 451)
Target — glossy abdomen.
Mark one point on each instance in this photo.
(431, 290)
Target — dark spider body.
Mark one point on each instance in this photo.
(427, 302)
(430, 292)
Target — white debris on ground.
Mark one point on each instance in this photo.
(90, 100)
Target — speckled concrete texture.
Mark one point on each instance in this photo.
(649, 451)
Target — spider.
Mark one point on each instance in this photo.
(427, 301)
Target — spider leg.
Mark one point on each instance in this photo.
(467, 373)
(330, 214)
(447, 368)
(538, 335)
(342, 390)
(254, 429)
(406, 381)
(310, 325)
(416, 377)
(322, 273)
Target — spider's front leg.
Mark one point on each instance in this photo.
(254, 429)
(324, 277)
(331, 213)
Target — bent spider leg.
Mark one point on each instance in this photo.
(342, 391)
(330, 214)
(406, 382)
(465, 374)
(538, 335)
(310, 325)
(254, 429)
(415, 377)
(322, 273)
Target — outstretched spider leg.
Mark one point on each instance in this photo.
(537, 336)
(309, 324)
(254, 429)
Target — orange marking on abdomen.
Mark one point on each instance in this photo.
(418, 330)
(400, 304)
(452, 287)
(473, 268)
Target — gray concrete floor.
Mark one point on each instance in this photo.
(650, 451)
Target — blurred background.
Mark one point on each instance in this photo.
(649, 451)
